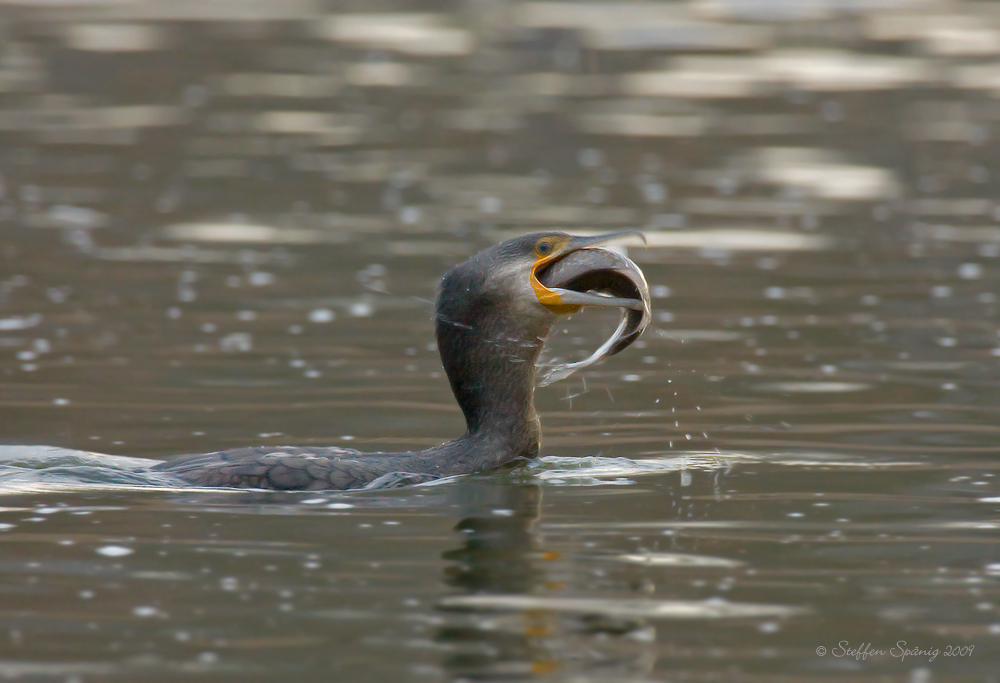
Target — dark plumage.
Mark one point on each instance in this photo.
(493, 316)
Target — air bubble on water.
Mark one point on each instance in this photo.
(360, 309)
(970, 271)
(941, 291)
(947, 342)
(60, 401)
(236, 342)
(114, 551)
(590, 157)
(409, 215)
(260, 278)
(322, 315)
(145, 611)
(490, 204)
(654, 193)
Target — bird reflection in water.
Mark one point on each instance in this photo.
(505, 554)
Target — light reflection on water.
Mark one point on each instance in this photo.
(221, 224)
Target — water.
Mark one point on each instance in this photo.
(220, 230)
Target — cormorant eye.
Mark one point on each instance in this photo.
(543, 248)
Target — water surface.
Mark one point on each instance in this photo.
(221, 224)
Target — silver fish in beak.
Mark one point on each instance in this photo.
(599, 278)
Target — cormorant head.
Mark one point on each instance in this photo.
(504, 281)
(495, 311)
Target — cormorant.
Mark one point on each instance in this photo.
(494, 313)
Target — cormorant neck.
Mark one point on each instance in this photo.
(493, 377)
(489, 351)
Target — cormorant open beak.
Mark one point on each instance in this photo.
(565, 301)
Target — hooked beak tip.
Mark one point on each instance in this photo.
(597, 240)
